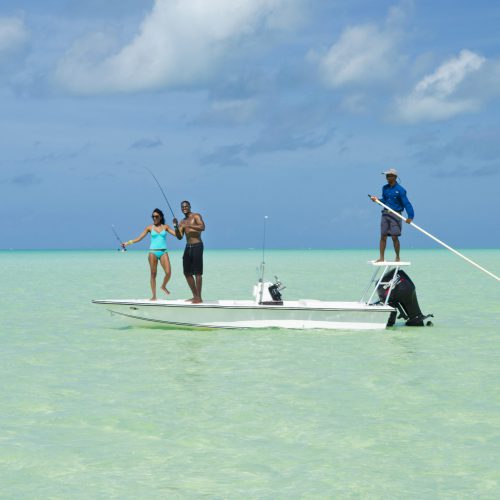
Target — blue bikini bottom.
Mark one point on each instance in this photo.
(158, 253)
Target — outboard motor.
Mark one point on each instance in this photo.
(269, 294)
(403, 298)
(274, 290)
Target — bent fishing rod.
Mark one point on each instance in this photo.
(456, 252)
(162, 192)
(123, 249)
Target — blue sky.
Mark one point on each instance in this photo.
(285, 108)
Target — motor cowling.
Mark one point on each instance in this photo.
(403, 298)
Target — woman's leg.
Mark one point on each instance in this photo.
(165, 263)
(153, 264)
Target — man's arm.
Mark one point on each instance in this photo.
(408, 206)
(179, 231)
(197, 224)
(381, 198)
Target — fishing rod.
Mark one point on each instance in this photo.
(456, 252)
(122, 249)
(162, 192)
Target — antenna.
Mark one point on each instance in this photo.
(263, 263)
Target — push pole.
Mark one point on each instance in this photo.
(456, 252)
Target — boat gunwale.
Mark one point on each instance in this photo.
(363, 306)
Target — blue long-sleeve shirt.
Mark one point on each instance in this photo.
(395, 197)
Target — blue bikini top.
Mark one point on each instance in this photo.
(158, 239)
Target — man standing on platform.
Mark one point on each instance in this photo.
(394, 196)
(192, 225)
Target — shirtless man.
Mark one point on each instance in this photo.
(192, 225)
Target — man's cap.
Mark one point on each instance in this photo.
(392, 171)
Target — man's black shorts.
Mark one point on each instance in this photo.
(192, 260)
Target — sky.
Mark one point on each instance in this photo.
(289, 109)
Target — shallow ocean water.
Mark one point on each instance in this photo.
(94, 408)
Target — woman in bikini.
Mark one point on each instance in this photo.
(157, 249)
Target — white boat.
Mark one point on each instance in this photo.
(268, 310)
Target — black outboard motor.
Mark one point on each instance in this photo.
(275, 291)
(403, 298)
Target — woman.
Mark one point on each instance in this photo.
(157, 249)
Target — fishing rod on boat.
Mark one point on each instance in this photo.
(263, 263)
(122, 248)
(162, 192)
(456, 252)
(273, 289)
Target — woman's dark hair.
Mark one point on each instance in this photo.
(160, 213)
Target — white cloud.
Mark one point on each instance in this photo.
(444, 81)
(178, 42)
(355, 103)
(237, 110)
(13, 34)
(363, 54)
(435, 96)
(366, 53)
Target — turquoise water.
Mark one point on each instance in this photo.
(93, 408)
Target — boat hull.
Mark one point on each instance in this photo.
(301, 314)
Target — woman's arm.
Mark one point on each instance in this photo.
(169, 230)
(139, 238)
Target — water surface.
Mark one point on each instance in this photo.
(93, 408)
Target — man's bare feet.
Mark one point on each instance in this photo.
(397, 259)
(165, 290)
(196, 300)
(153, 299)
(190, 300)
(380, 260)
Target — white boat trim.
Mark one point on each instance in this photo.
(268, 324)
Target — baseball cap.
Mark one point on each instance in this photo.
(392, 171)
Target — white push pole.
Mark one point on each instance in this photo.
(456, 252)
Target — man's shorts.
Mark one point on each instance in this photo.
(192, 260)
(390, 225)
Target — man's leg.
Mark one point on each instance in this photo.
(397, 246)
(198, 283)
(197, 270)
(383, 244)
(192, 286)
